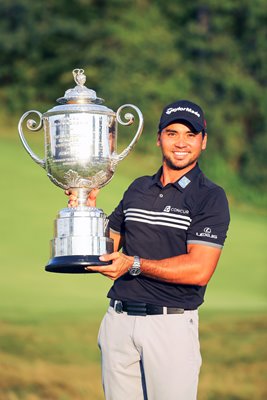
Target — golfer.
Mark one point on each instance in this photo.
(171, 228)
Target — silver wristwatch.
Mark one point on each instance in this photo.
(135, 269)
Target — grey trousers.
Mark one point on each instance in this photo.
(154, 357)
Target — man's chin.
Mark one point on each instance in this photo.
(177, 166)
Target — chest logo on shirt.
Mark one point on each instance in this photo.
(174, 209)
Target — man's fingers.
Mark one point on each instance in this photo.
(102, 270)
(73, 197)
(109, 257)
(69, 192)
(91, 268)
(93, 194)
(72, 204)
(91, 201)
(108, 272)
(72, 201)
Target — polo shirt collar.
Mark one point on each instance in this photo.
(182, 183)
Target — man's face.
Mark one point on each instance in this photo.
(180, 147)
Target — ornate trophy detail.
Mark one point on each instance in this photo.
(80, 154)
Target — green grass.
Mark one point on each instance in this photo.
(49, 321)
(59, 360)
(30, 203)
(240, 281)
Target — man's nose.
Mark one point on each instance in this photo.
(180, 142)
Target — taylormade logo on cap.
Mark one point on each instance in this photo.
(187, 109)
(183, 111)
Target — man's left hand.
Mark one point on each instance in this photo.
(120, 265)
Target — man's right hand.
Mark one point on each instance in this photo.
(73, 200)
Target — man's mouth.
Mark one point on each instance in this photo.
(180, 153)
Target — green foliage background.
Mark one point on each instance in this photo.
(150, 53)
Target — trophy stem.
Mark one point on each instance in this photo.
(82, 196)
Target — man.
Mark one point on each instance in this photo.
(171, 228)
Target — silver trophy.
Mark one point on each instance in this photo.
(80, 154)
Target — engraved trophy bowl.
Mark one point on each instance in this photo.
(80, 154)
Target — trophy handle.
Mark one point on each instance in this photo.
(32, 126)
(130, 119)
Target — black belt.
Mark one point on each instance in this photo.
(137, 308)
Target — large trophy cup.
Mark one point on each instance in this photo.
(80, 154)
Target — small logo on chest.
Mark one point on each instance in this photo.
(175, 210)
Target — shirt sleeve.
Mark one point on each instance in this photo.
(116, 219)
(210, 222)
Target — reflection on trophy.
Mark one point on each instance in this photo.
(80, 155)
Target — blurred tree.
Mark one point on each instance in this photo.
(41, 41)
(225, 48)
(149, 53)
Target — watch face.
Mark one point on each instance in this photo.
(136, 267)
(134, 271)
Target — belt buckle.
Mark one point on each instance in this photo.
(118, 307)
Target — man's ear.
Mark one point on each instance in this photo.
(204, 142)
(158, 139)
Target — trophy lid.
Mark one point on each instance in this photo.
(80, 94)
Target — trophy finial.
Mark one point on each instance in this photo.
(80, 94)
(79, 76)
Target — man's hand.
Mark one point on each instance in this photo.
(120, 265)
(73, 200)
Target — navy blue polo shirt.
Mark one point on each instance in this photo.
(158, 222)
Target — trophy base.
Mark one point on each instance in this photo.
(74, 264)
